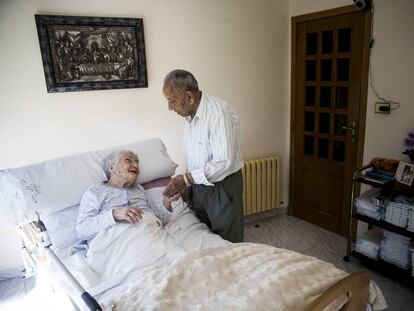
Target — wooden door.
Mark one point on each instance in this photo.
(329, 85)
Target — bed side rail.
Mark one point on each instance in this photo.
(36, 245)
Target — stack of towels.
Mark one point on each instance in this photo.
(371, 204)
(410, 225)
(395, 249)
(397, 211)
(412, 260)
(369, 243)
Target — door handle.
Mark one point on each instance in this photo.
(352, 129)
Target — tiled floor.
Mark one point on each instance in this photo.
(281, 231)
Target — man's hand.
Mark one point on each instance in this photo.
(129, 213)
(168, 200)
(176, 185)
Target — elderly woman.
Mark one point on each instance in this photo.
(119, 199)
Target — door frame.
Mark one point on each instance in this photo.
(295, 20)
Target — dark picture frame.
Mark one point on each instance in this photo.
(92, 53)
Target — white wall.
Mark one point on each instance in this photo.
(236, 48)
(300, 7)
(392, 72)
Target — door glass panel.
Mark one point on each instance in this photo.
(309, 121)
(340, 121)
(344, 40)
(325, 96)
(311, 70)
(338, 151)
(342, 69)
(341, 97)
(324, 122)
(308, 148)
(323, 148)
(326, 69)
(311, 43)
(327, 41)
(310, 96)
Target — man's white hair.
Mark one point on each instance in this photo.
(182, 80)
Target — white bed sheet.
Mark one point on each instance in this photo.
(284, 268)
(184, 228)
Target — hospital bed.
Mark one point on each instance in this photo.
(42, 201)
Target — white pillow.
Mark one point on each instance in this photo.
(56, 184)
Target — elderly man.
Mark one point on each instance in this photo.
(212, 154)
(119, 199)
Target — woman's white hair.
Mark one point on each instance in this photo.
(113, 158)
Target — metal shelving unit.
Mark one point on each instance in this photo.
(400, 275)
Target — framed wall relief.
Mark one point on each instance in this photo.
(92, 53)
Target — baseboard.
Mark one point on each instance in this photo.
(11, 273)
(282, 211)
(264, 215)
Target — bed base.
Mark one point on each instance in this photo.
(354, 286)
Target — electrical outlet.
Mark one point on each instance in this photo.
(383, 107)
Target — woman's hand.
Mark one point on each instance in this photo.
(129, 213)
(168, 200)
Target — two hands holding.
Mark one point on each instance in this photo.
(133, 214)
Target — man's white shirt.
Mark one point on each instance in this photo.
(212, 141)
